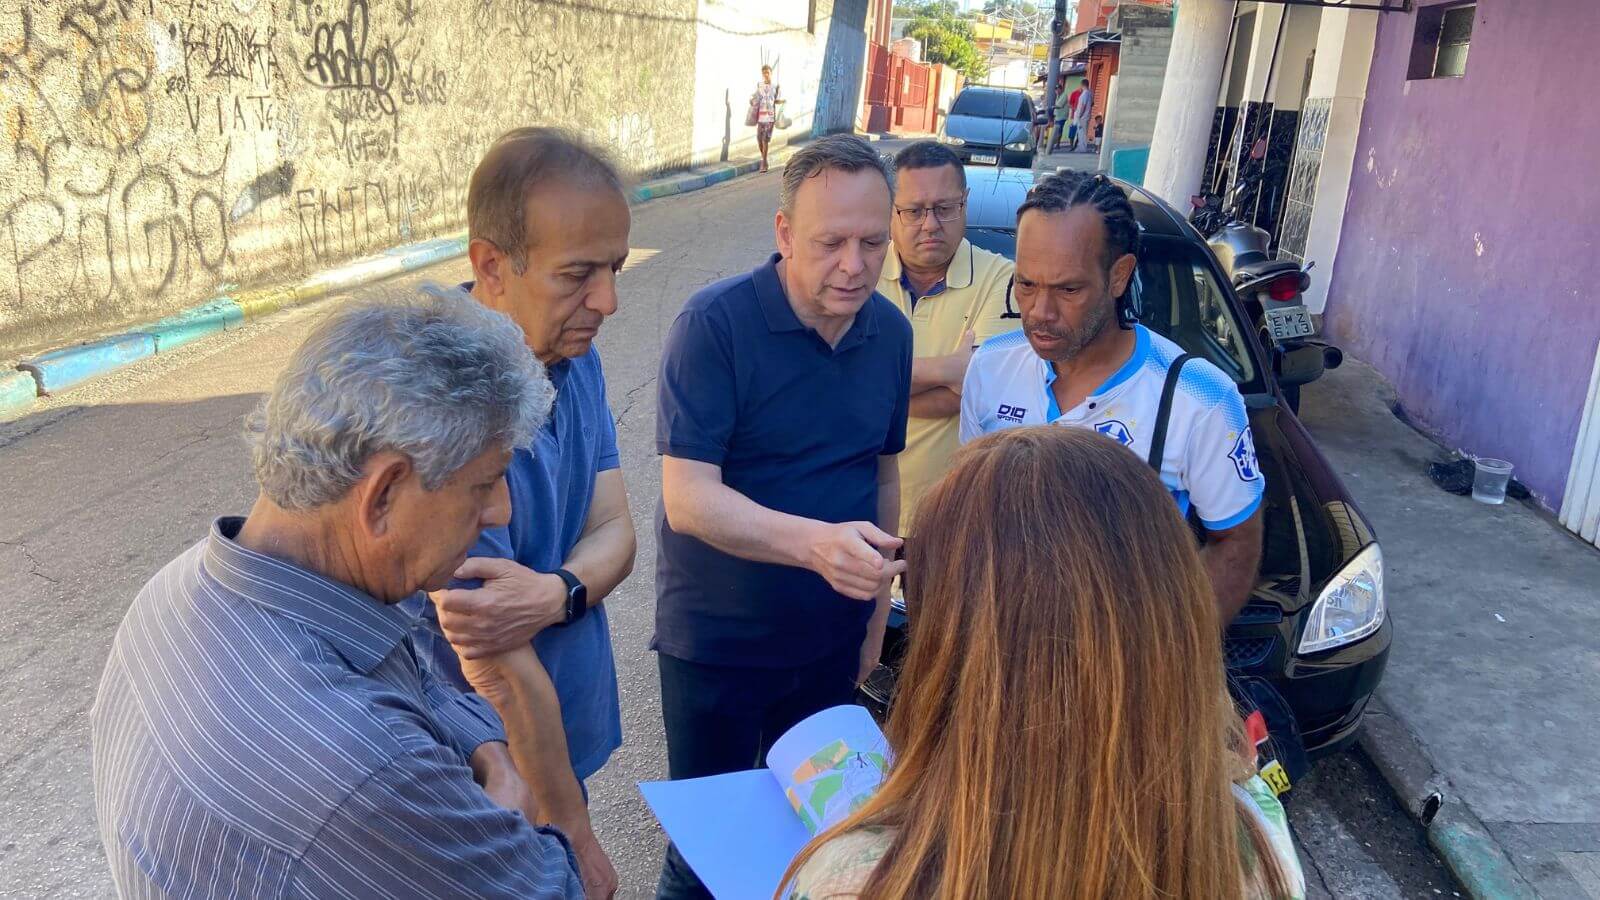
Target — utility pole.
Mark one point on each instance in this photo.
(1058, 25)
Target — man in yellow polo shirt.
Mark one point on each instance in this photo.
(953, 293)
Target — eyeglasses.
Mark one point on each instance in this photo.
(944, 212)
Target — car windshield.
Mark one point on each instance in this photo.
(991, 105)
(1177, 296)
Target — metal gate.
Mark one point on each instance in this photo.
(878, 101)
(913, 112)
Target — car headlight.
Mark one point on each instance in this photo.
(1018, 145)
(1350, 607)
(947, 139)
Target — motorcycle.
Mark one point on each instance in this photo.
(1272, 289)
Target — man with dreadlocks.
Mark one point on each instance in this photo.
(1080, 360)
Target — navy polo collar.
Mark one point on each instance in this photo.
(774, 300)
(363, 629)
(780, 315)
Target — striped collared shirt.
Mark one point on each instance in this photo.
(262, 731)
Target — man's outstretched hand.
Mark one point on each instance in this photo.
(855, 558)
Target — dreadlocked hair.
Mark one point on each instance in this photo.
(1065, 190)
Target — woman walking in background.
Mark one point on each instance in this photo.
(764, 105)
(1062, 728)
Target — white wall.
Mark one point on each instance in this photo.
(1299, 40)
(1009, 73)
(735, 38)
(1345, 41)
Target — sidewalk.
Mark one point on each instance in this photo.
(1492, 692)
(1080, 160)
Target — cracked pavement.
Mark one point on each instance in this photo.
(105, 484)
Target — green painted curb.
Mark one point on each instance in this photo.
(1475, 858)
(1461, 840)
(209, 318)
(18, 390)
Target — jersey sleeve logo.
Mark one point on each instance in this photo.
(1116, 431)
(1244, 458)
(1009, 413)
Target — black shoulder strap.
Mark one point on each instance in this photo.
(1158, 440)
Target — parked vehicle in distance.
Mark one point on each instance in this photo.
(1272, 288)
(1316, 626)
(990, 126)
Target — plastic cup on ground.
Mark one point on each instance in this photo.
(1490, 479)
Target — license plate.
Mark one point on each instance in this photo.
(988, 158)
(1290, 322)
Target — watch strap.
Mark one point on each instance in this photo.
(577, 595)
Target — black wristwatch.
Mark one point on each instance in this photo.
(577, 595)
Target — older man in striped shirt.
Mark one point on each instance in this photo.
(263, 728)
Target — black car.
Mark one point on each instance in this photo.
(1316, 626)
(990, 126)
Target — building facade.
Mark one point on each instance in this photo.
(1463, 271)
(1440, 177)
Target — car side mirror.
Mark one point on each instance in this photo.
(1300, 365)
(942, 111)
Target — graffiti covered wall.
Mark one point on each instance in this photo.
(153, 152)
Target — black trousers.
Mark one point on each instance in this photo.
(724, 719)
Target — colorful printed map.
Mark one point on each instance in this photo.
(833, 783)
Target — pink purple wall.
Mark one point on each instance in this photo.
(1467, 270)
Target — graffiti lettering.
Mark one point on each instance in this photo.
(229, 53)
(424, 85)
(157, 149)
(222, 115)
(147, 229)
(302, 15)
(353, 219)
(519, 17)
(339, 59)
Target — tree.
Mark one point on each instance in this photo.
(943, 44)
(946, 38)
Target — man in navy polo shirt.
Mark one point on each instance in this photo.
(782, 406)
(549, 222)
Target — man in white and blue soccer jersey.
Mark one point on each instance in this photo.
(1071, 364)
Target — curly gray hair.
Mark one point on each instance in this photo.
(435, 376)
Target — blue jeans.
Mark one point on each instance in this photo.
(724, 719)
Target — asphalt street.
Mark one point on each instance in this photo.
(102, 486)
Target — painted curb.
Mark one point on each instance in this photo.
(18, 390)
(1466, 847)
(67, 367)
(210, 318)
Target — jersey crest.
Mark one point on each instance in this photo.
(1244, 458)
(1117, 431)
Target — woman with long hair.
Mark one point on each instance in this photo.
(1062, 728)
